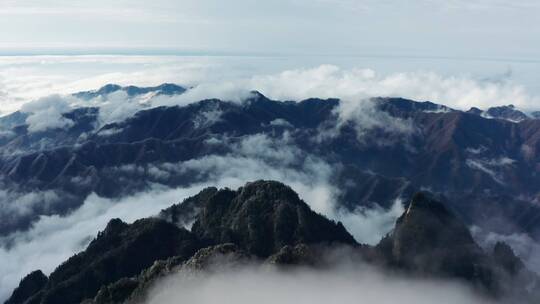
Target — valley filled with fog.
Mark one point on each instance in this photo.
(45, 217)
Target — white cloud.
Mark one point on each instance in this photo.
(28, 78)
(492, 167)
(261, 157)
(116, 107)
(345, 283)
(364, 115)
(256, 157)
(370, 225)
(207, 118)
(53, 239)
(15, 204)
(523, 245)
(46, 113)
(327, 81)
(353, 86)
(280, 122)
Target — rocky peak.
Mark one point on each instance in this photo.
(163, 89)
(264, 216)
(426, 225)
(121, 250)
(28, 287)
(429, 239)
(508, 112)
(267, 222)
(185, 213)
(475, 110)
(401, 106)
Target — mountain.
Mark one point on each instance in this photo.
(263, 217)
(28, 287)
(121, 250)
(12, 120)
(508, 112)
(487, 170)
(275, 215)
(428, 238)
(163, 89)
(265, 222)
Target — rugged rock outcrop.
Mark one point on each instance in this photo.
(163, 89)
(266, 223)
(508, 112)
(28, 287)
(121, 250)
(262, 217)
(259, 218)
(429, 239)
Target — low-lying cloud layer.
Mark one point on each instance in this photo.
(343, 284)
(46, 113)
(232, 78)
(52, 239)
(353, 86)
(522, 244)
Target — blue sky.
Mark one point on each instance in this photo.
(450, 28)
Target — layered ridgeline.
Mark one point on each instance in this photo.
(485, 162)
(266, 223)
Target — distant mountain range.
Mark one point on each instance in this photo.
(163, 89)
(265, 222)
(484, 165)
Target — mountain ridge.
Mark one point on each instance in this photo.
(463, 156)
(413, 253)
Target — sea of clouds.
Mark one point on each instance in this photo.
(41, 86)
(53, 239)
(481, 84)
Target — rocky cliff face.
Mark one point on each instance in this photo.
(121, 250)
(264, 216)
(265, 222)
(428, 238)
(28, 287)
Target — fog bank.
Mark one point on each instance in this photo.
(343, 284)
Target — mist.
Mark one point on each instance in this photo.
(524, 246)
(345, 283)
(53, 239)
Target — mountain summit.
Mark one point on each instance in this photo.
(265, 222)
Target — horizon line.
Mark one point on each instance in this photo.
(53, 51)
